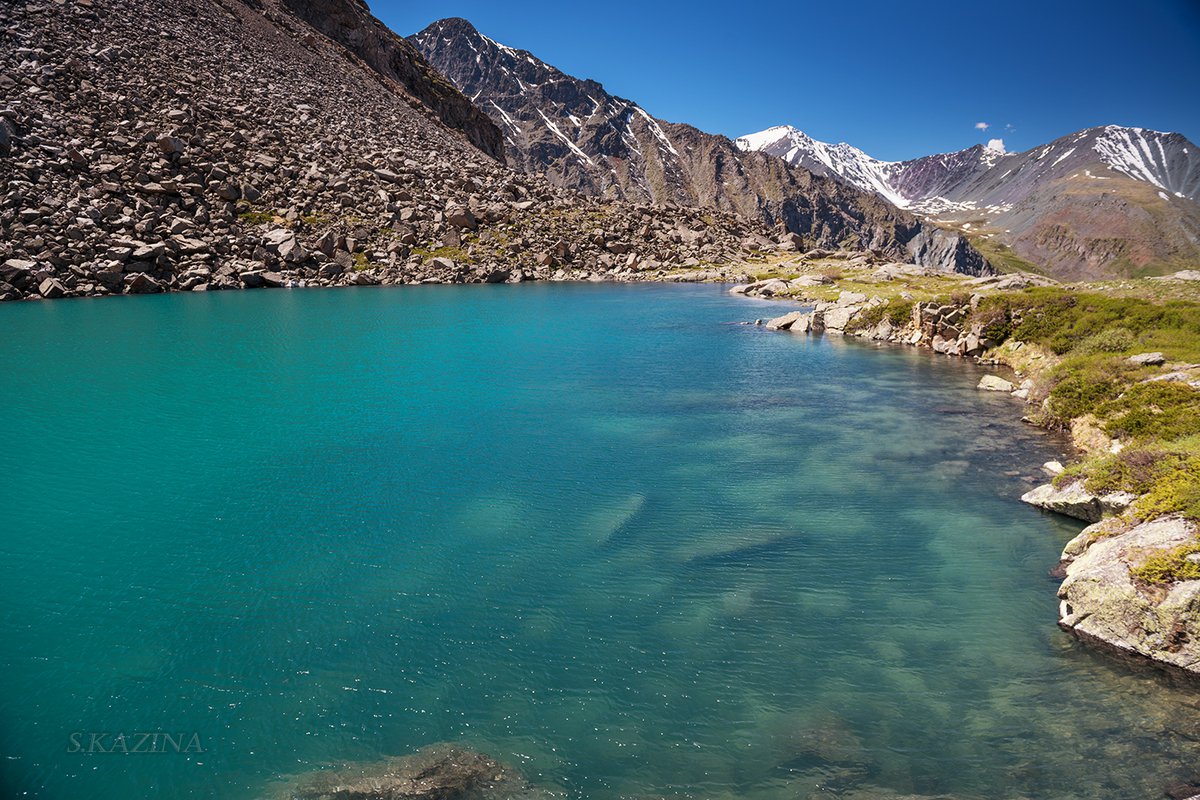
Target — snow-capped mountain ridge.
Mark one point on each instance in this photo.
(1139, 153)
(1040, 201)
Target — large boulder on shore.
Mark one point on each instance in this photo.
(1072, 500)
(1102, 601)
(994, 383)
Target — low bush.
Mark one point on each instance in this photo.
(1081, 386)
(1170, 566)
(899, 312)
(1158, 409)
(1110, 340)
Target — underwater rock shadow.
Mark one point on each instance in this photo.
(438, 772)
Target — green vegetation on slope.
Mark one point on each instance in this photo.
(1157, 421)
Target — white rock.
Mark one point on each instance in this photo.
(1071, 500)
(1148, 359)
(785, 322)
(995, 383)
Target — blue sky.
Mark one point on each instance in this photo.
(898, 79)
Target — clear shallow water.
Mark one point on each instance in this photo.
(591, 530)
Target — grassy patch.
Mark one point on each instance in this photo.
(453, 253)
(252, 217)
(1081, 385)
(1063, 320)
(1175, 492)
(1157, 410)
(1002, 257)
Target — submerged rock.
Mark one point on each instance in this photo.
(995, 383)
(438, 772)
(1102, 601)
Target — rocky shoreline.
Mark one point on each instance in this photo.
(1103, 600)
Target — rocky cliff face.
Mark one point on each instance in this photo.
(350, 24)
(582, 137)
(1103, 201)
(214, 144)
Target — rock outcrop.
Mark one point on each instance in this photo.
(1073, 500)
(1102, 601)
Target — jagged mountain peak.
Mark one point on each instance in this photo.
(582, 137)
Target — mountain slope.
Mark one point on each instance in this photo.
(351, 25)
(154, 145)
(1101, 201)
(580, 136)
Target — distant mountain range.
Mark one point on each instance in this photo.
(579, 136)
(1103, 201)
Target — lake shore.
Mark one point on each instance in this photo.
(1131, 579)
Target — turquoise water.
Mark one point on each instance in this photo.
(595, 531)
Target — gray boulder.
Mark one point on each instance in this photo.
(1101, 600)
(51, 289)
(1071, 500)
(785, 322)
(839, 316)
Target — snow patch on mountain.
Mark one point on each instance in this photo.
(844, 160)
(928, 184)
(1127, 150)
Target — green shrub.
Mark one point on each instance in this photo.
(899, 312)
(1112, 340)
(869, 317)
(1060, 319)
(1175, 492)
(1134, 469)
(1082, 387)
(1170, 566)
(1158, 409)
(995, 324)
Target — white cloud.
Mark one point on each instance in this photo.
(982, 126)
(996, 144)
